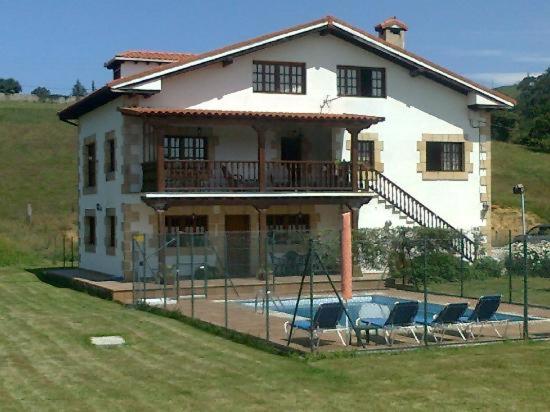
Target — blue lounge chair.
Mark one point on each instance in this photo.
(483, 314)
(325, 320)
(447, 318)
(400, 317)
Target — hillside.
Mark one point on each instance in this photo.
(38, 167)
(514, 164)
(512, 90)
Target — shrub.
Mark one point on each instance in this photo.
(436, 267)
(485, 267)
(538, 259)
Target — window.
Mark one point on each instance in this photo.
(365, 153)
(90, 161)
(361, 81)
(192, 229)
(270, 77)
(110, 231)
(185, 148)
(444, 157)
(287, 229)
(110, 156)
(89, 231)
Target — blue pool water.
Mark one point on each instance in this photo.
(372, 306)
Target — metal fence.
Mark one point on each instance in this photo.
(410, 287)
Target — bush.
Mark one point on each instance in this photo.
(436, 267)
(485, 267)
(209, 272)
(538, 259)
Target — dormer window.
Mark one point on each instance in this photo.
(361, 81)
(272, 77)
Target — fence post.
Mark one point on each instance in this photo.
(193, 274)
(310, 272)
(225, 274)
(263, 239)
(64, 257)
(425, 281)
(509, 266)
(134, 270)
(177, 266)
(461, 264)
(205, 264)
(525, 291)
(144, 269)
(72, 252)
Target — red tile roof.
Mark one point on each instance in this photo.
(154, 55)
(392, 21)
(242, 115)
(330, 22)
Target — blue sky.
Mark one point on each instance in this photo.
(53, 42)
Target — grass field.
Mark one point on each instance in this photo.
(38, 167)
(514, 164)
(538, 288)
(47, 363)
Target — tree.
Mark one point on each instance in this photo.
(9, 86)
(93, 86)
(79, 90)
(41, 92)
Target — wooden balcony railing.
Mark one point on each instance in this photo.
(220, 175)
(308, 175)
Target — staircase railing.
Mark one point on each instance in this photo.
(415, 210)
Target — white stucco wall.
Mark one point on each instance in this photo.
(414, 105)
(127, 68)
(108, 194)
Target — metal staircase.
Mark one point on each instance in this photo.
(418, 212)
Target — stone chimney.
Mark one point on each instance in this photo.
(393, 31)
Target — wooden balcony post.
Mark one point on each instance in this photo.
(354, 132)
(261, 131)
(161, 181)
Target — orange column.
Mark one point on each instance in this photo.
(346, 260)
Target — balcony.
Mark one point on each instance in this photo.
(247, 176)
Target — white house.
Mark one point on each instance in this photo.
(286, 130)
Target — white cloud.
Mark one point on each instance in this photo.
(533, 59)
(497, 79)
(477, 52)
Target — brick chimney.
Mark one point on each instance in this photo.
(393, 31)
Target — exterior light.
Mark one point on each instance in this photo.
(519, 189)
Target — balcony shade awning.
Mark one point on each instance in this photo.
(231, 116)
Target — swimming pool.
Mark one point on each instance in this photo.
(372, 306)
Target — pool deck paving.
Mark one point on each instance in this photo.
(247, 320)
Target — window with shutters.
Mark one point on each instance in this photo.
(361, 81)
(287, 229)
(274, 77)
(192, 230)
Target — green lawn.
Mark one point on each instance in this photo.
(538, 288)
(47, 363)
(514, 164)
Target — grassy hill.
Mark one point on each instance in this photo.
(38, 167)
(514, 164)
(512, 90)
